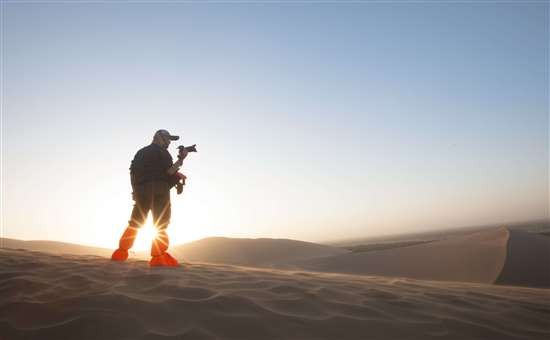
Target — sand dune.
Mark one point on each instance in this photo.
(54, 247)
(497, 255)
(43, 296)
(527, 260)
(489, 256)
(260, 252)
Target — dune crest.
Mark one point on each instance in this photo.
(497, 255)
(259, 252)
(55, 247)
(478, 257)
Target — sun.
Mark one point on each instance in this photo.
(145, 236)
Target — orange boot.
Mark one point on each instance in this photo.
(126, 242)
(159, 256)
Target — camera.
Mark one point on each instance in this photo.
(192, 148)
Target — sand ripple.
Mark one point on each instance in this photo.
(84, 297)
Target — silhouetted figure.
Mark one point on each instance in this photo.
(152, 174)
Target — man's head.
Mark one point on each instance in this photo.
(163, 138)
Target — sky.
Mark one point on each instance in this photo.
(313, 121)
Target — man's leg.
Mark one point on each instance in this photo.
(137, 220)
(161, 208)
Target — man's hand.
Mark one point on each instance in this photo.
(182, 153)
(180, 183)
(177, 164)
(181, 176)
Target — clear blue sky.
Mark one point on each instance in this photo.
(313, 121)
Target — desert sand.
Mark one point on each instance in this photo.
(464, 287)
(45, 296)
(478, 257)
(54, 247)
(496, 255)
(259, 252)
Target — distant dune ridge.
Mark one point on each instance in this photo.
(495, 255)
(45, 296)
(54, 247)
(478, 257)
(264, 252)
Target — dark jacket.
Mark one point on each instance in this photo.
(150, 164)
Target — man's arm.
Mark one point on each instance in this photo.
(175, 167)
(177, 164)
(133, 181)
(136, 170)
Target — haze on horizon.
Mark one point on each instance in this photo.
(313, 121)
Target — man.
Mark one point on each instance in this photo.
(152, 174)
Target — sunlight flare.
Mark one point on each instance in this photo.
(145, 236)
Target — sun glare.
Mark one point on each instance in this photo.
(145, 236)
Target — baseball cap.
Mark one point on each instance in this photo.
(165, 133)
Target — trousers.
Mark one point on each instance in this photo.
(151, 196)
